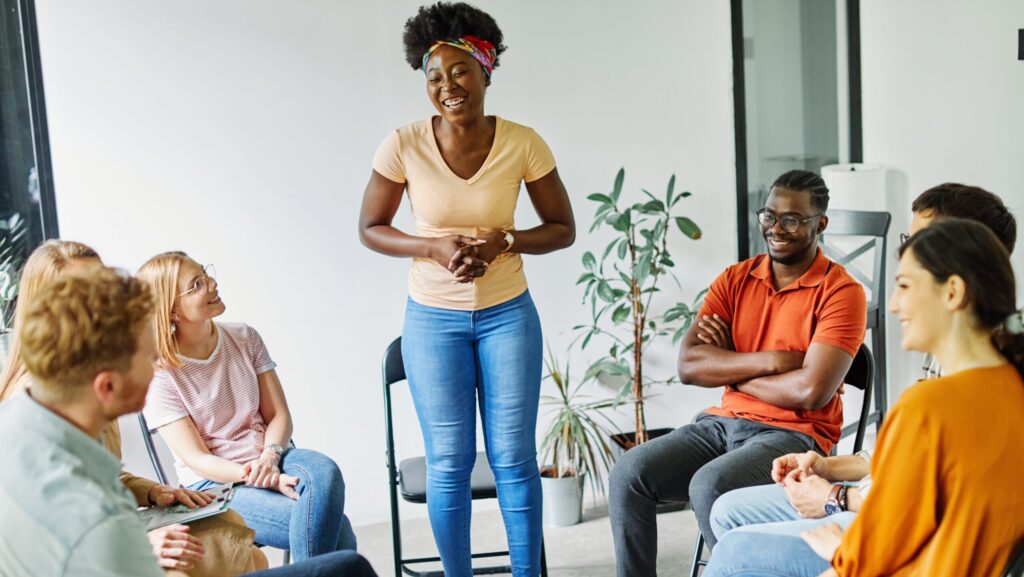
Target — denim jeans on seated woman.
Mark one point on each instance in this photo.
(759, 535)
(337, 564)
(456, 360)
(313, 525)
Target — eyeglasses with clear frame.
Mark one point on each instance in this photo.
(202, 284)
(790, 222)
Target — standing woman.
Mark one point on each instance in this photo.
(471, 332)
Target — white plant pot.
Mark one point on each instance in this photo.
(563, 501)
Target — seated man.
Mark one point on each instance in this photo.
(88, 343)
(777, 332)
(769, 520)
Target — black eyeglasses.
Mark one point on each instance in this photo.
(904, 237)
(790, 222)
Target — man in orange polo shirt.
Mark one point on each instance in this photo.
(778, 332)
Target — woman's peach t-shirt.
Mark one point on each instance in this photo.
(445, 204)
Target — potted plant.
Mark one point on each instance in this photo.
(621, 285)
(575, 447)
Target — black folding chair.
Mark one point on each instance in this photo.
(860, 374)
(161, 475)
(409, 477)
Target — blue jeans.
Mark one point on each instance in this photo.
(453, 361)
(313, 525)
(337, 564)
(759, 535)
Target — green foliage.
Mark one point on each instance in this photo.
(576, 441)
(620, 285)
(13, 250)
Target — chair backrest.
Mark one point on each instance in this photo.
(861, 374)
(859, 223)
(154, 456)
(1015, 566)
(392, 371)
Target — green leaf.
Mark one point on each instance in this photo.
(589, 262)
(585, 277)
(617, 189)
(643, 268)
(623, 247)
(688, 227)
(653, 207)
(671, 187)
(612, 218)
(602, 198)
(608, 249)
(604, 290)
(621, 314)
(622, 223)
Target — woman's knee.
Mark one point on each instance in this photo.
(313, 467)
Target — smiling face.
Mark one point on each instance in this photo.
(792, 247)
(203, 299)
(456, 84)
(919, 302)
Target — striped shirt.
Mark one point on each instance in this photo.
(220, 394)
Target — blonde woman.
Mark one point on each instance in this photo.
(219, 404)
(220, 545)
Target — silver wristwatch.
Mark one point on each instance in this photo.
(275, 448)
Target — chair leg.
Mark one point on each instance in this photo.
(697, 563)
(287, 557)
(881, 383)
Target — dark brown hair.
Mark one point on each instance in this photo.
(962, 201)
(970, 250)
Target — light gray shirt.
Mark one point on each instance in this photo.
(63, 510)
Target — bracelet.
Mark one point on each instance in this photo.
(842, 497)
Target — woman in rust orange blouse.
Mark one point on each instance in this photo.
(946, 498)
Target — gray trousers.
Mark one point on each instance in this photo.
(694, 463)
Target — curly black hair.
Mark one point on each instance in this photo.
(448, 21)
(805, 181)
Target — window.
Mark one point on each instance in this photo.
(796, 72)
(27, 213)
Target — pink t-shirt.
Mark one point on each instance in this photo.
(221, 394)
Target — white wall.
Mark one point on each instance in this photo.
(242, 132)
(942, 93)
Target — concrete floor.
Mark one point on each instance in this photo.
(583, 550)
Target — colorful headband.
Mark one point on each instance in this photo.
(482, 50)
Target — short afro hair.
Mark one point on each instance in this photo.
(971, 202)
(805, 181)
(448, 21)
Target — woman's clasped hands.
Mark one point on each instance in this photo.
(467, 257)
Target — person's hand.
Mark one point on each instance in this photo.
(824, 540)
(286, 486)
(810, 463)
(458, 254)
(175, 548)
(807, 493)
(262, 473)
(494, 244)
(164, 496)
(713, 330)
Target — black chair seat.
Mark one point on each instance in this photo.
(412, 479)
